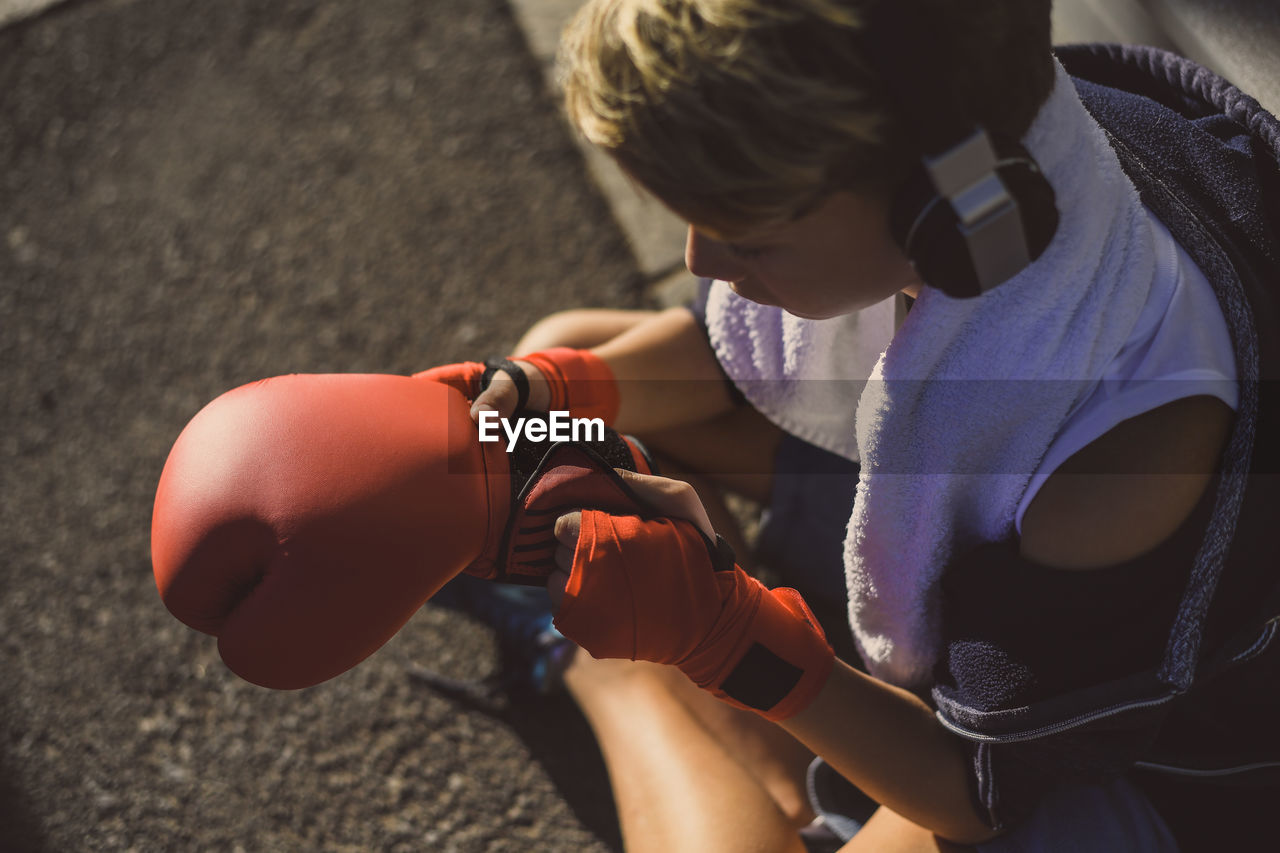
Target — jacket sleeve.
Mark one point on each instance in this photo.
(1049, 674)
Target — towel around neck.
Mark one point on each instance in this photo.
(950, 415)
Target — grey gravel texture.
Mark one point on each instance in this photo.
(193, 196)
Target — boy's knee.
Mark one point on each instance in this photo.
(580, 328)
(561, 328)
(586, 675)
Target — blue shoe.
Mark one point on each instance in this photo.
(534, 653)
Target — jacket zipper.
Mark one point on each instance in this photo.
(1053, 728)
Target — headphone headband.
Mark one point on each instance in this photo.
(997, 206)
(988, 216)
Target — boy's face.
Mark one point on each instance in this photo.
(836, 259)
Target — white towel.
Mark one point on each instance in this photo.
(967, 396)
(804, 375)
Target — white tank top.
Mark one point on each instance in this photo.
(1180, 347)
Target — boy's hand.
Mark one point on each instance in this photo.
(668, 497)
(560, 379)
(501, 395)
(657, 589)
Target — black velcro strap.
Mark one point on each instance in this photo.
(761, 679)
(493, 365)
(722, 557)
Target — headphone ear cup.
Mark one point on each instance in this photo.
(1037, 203)
(926, 226)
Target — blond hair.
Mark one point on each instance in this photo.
(747, 112)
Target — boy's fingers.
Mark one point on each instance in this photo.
(500, 397)
(556, 582)
(672, 498)
(563, 557)
(566, 530)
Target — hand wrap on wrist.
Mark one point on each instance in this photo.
(493, 365)
(580, 382)
(656, 590)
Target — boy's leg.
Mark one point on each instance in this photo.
(676, 786)
(735, 451)
(580, 328)
(775, 759)
(890, 832)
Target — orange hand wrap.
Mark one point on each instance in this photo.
(580, 382)
(654, 590)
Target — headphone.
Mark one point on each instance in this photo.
(976, 210)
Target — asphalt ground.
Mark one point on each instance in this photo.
(192, 196)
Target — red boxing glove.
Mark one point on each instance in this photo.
(656, 590)
(303, 519)
(464, 377)
(571, 474)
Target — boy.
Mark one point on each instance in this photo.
(1042, 602)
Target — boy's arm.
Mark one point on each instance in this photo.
(655, 590)
(667, 376)
(888, 742)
